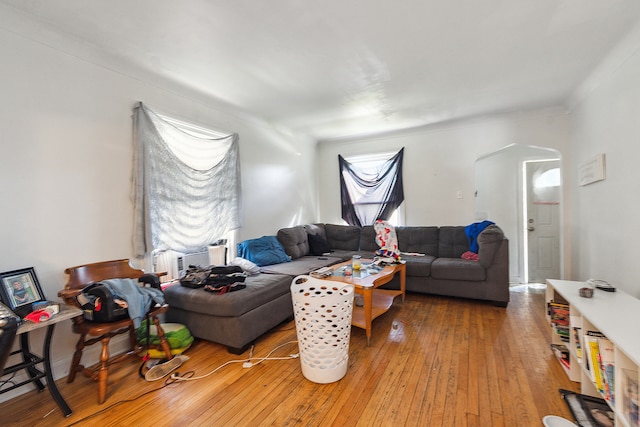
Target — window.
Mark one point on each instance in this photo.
(546, 186)
(186, 185)
(550, 178)
(371, 188)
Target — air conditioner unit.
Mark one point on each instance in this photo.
(176, 263)
(184, 261)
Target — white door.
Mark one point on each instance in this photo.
(542, 220)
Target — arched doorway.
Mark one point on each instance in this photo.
(505, 195)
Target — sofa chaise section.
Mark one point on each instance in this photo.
(234, 319)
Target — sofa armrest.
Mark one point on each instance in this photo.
(489, 242)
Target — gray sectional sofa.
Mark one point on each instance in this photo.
(438, 269)
(434, 266)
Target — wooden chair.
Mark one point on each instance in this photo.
(92, 332)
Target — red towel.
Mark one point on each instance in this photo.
(470, 256)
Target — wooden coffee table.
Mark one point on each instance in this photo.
(376, 301)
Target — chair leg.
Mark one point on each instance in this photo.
(103, 370)
(132, 338)
(163, 340)
(75, 361)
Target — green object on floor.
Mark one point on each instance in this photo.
(177, 335)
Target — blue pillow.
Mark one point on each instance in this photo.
(265, 250)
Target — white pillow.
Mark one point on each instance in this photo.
(247, 266)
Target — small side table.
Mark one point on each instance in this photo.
(30, 361)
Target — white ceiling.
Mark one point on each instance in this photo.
(339, 68)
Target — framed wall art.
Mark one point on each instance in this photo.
(593, 170)
(19, 289)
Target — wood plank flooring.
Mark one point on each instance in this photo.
(433, 361)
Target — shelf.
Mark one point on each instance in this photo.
(382, 301)
(616, 317)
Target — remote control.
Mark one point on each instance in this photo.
(601, 284)
(606, 287)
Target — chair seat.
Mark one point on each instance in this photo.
(96, 329)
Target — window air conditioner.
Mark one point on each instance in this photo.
(184, 261)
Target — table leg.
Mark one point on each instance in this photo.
(28, 360)
(53, 388)
(367, 294)
(403, 280)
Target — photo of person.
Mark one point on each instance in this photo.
(21, 295)
(20, 289)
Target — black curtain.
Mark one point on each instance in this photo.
(367, 197)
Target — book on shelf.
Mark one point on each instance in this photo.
(591, 341)
(563, 333)
(607, 368)
(577, 340)
(631, 397)
(562, 353)
(559, 314)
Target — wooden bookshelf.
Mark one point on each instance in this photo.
(605, 331)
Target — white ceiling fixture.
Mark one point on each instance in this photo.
(342, 68)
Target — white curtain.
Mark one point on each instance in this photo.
(186, 187)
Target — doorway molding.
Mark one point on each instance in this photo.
(499, 197)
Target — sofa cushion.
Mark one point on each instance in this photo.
(422, 240)
(489, 242)
(259, 290)
(302, 265)
(457, 269)
(294, 241)
(265, 250)
(346, 255)
(368, 239)
(344, 237)
(418, 266)
(318, 245)
(452, 242)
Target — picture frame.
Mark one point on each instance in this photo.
(19, 289)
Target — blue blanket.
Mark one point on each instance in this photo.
(265, 250)
(473, 231)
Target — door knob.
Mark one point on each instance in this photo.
(530, 228)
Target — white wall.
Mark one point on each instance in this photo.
(66, 156)
(604, 222)
(439, 161)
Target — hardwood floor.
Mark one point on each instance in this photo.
(433, 361)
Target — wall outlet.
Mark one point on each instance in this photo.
(459, 194)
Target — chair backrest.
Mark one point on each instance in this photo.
(82, 275)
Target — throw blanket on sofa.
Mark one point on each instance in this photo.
(473, 231)
(387, 239)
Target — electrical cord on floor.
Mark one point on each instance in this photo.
(246, 363)
(169, 381)
(177, 378)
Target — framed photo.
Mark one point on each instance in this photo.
(19, 289)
